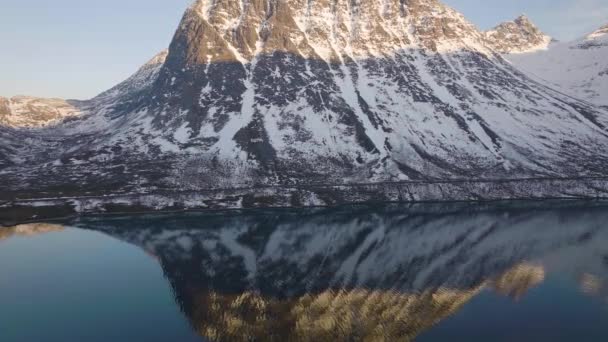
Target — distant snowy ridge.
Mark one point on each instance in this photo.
(579, 68)
(27, 111)
(601, 33)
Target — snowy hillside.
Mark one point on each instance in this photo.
(580, 68)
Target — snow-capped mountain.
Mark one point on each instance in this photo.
(297, 92)
(518, 36)
(580, 67)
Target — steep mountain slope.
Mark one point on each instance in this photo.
(120, 97)
(579, 67)
(518, 36)
(299, 92)
(139, 81)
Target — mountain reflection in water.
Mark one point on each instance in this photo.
(359, 274)
(29, 230)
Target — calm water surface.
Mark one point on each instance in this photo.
(501, 272)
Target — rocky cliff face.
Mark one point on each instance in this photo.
(299, 92)
(518, 36)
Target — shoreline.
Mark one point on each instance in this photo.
(307, 196)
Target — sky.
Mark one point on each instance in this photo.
(76, 49)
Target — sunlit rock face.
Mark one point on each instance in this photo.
(356, 274)
(34, 112)
(518, 36)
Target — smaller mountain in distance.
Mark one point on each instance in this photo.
(35, 112)
(518, 36)
(596, 39)
(602, 33)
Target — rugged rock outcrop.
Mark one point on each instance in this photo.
(518, 36)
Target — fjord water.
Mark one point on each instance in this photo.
(459, 272)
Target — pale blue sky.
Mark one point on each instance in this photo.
(76, 48)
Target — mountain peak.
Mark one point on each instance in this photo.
(522, 19)
(237, 31)
(518, 36)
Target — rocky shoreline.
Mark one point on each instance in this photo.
(33, 209)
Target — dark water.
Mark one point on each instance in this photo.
(502, 272)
